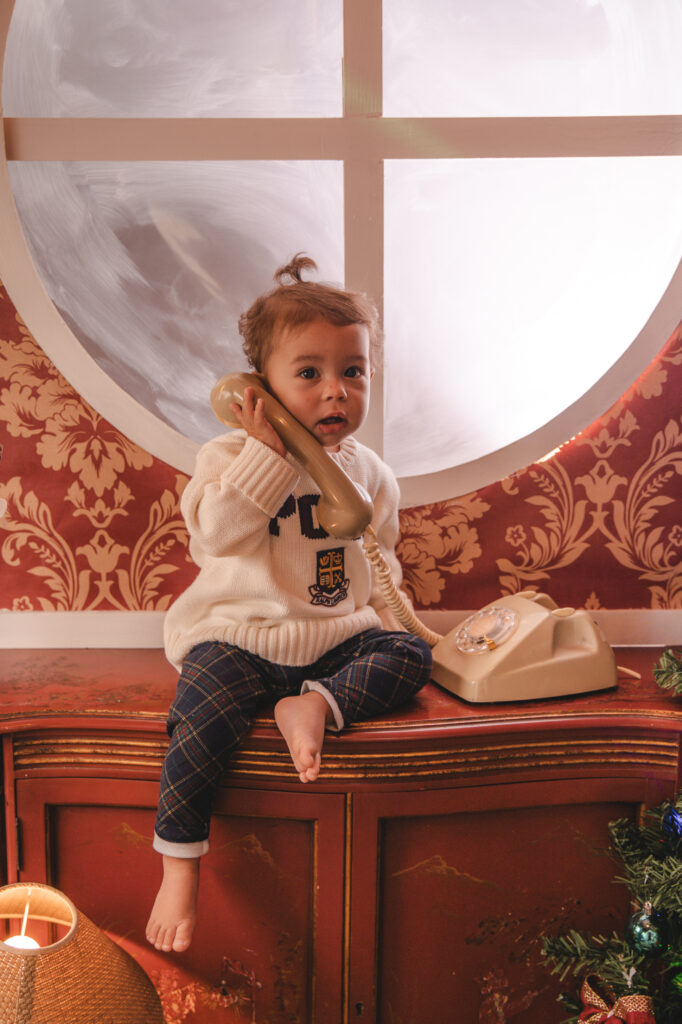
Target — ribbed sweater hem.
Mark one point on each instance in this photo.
(293, 642)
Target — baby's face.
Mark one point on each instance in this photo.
(321, 373)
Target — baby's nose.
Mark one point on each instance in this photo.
(336, 388)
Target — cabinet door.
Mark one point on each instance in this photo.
(269, 942)
(452, 890)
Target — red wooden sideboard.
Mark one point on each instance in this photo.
(409, 885)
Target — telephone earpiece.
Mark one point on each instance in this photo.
(343, 511)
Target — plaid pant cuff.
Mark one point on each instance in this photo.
(312, 684)
(185, 851)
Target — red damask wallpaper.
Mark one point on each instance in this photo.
(92, 521)
(597, 525)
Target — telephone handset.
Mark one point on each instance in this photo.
(343, 510)
(521, 647)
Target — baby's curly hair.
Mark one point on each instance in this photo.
(295, 302)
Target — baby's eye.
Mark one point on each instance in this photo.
(308, 372)
(354, 371)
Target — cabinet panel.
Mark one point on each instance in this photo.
(410, 884)
(467, 884)
(263, 948)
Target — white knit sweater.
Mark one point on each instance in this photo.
(271, 580)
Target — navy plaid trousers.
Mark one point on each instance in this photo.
(222, 687)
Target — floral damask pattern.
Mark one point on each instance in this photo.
(596, 525)
(92, 521)
(437, 541)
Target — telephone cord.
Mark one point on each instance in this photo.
(394, 599)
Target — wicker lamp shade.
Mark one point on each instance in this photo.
(83, 978)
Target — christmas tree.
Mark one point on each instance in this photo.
(668, 671)
(635, 978)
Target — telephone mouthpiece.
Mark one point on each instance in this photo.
(346, 521)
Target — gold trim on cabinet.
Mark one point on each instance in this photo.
(329, 775)
(504, 719)
(315, 908)
(98, 743)
(71, 751)
(347, 869)
(395, 725)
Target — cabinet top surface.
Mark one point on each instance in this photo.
(45, 688)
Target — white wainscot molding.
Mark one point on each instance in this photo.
(628, 627)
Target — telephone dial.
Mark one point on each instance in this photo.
(522, 647)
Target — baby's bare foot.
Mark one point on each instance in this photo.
(174, 913)
(301, 721)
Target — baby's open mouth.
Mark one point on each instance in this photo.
(332, 425)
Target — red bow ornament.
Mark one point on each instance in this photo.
(636, 1009)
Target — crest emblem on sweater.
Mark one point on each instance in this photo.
(332, 584)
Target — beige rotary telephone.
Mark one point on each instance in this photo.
(521, 647)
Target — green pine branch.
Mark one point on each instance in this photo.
(573, 1006)
(668, 1007)
(668, 671)
(656, 882)
(631, 843)
(613, 959)
(651, 854)
(652, 862)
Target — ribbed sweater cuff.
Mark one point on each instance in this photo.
(262, 475)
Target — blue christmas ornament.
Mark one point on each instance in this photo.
(671, 822)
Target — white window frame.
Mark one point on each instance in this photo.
(362, 139)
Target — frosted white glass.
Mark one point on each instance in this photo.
(462, 58)
(511, 287)
(164, 58)
(151, 264)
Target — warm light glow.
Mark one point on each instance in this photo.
(555, 451)
(22, 942)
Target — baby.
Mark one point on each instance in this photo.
(280, 613)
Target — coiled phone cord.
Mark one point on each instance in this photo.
(394, 599)
(399, 606)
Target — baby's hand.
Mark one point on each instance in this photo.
(251, 415)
